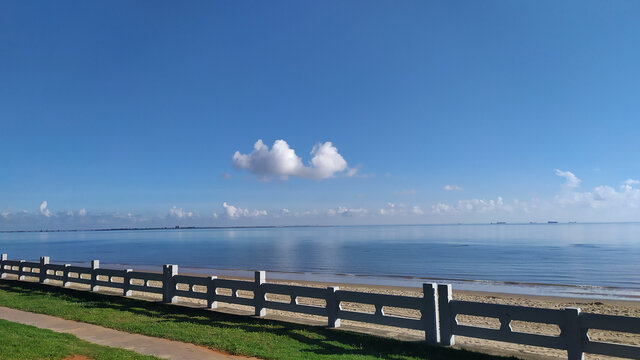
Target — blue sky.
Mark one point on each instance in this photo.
(129, 114)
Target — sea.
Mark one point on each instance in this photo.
(573, 260)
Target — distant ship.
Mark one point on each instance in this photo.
(501, 222)
(552, 222)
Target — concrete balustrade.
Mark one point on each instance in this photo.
(437, 307)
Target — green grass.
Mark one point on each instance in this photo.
(26, 342)
(240, 335)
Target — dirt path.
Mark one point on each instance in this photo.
(98, 335)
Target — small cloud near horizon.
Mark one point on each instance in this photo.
(572, 181)
(44, 210)
(233, 212)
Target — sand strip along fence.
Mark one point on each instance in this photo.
(434, 312)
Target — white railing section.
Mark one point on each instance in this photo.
(438, 311)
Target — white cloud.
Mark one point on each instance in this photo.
(603, 196)
(442, 208)
(390, 209)
(628, 184)
(344, 211)
(282, 161)
(82, 212)
(572, 180)
(471, 206)
(180, 213)
(233, 212)
(400, 210)
(43, 209)
(453, 188)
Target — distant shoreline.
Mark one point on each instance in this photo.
(310, 226)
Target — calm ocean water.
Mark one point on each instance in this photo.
(595, 260)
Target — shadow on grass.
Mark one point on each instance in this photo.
(320, 341)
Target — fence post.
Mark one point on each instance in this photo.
(126, 282)
(258, 293)
(573, 334)
(430, 316)
(3, 258)
(65, 276)
(44, 261)
(168, 283)
(21, 271)
(95, 265)
(211, 293)
(332, 307)
(446, 319)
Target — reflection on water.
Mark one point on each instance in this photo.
(602, 255)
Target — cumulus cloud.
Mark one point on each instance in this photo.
(471, 206)
(601, 203)
(344, 211)
(452, 188)
(43, 209)
(233, 212)
(180, 213)
(388, 210)
(281, 160)
(628, 184)
(400, 210)
(572, 181)
(602, 197)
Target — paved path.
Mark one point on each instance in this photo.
(98, 335)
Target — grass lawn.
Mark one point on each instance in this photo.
(26, 342)
(234, 334)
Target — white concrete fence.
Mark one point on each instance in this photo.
(438, 310)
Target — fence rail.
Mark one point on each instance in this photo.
(438, 311)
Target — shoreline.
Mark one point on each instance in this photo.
(176, 227)
(562, 291)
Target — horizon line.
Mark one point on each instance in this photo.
(177, 227)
